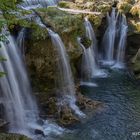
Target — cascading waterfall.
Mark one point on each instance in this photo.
(114, 40)
(91, 35)
(43, 3)
(90, 68)
(65, 80)
(20, 41)
(122, 35)
(20, 107)
(109, 37)
(87, 66)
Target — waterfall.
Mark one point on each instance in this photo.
(114, 40)
(87, 66)
(20, 41)
(20, 107)
(109, 37)
(90, 67)
(119, 63)
(43, 3)
(65, 81)
(91, 35)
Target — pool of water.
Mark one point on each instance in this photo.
(120, 118)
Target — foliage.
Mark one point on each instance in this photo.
(6, 5)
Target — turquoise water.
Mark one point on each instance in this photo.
(121, 115)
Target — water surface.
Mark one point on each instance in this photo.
(120, 118)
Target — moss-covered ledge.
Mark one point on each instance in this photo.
(9, 136)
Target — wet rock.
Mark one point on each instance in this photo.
(136, 64)
(39, 132)
(133, 53)
(137, 57)
(3, 123)
(66, 116)
(86, 42)
(86, 103)
(124, 7)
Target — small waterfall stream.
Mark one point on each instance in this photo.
(114, 40)
(122, 35)
(43, 3)
(20, 107)
(65, 80)
(20, 41)
(87, 65)
(93, 51)
(109, 37)
(90, 67)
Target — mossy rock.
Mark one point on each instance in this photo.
(136, 68)
(67, 4)
(124, 7)
(60, 21)
(134, 27)
(135, 10)
(13, 137)
(86, 42)
(96, 20)
(68, 26)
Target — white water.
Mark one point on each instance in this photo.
(90, 67)
(43, 3)
(114, 40)
(20, 106)
(109, 37)
(20, 41)
(65, 82)
(119, 63)
(87, 65)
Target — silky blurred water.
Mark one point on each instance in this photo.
(121, 115)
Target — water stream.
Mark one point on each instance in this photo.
(109, 37)
(65, 82)
(38, 3)
(21, 110)
(20, 107)
(114, 40)
(21, 40)
(120, 117)
(90, 67)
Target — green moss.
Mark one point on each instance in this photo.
(67, 4)
(86, 42)
(63, 23)
(104, 8)
(124, 7)
(12, 137)
(39, 33)
(95, 20)
(7, 5)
